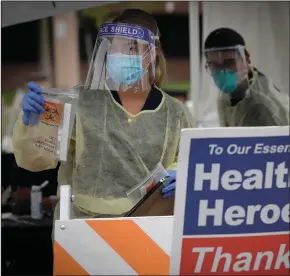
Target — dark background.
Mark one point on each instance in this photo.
(21, 43)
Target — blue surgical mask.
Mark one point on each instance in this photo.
(226, 81)
(125, 69)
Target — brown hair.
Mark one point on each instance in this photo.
(146, 20)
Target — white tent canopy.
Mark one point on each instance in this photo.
(15, 12)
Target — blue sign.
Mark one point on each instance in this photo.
(237, 185)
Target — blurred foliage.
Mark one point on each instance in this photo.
(7, 100)
(177, 86)
(7, 97)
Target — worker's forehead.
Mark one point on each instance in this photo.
(221, 55)
(117, 40)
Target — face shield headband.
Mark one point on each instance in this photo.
(126, 30)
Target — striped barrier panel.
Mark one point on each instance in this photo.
(118, 246)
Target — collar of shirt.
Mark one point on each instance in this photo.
(152, 102)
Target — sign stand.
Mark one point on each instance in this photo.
(231, 215)
(232, 202)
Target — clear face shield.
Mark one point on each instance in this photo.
(123, 59)
(228, 67)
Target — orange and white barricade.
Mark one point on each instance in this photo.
(113, 246)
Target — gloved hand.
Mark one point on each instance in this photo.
(32, 102)
(169, 190)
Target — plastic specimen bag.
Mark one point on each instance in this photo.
(52, 129)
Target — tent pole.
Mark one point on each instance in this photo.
(194, 55)
(45, 59)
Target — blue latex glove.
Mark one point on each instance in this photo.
(169, 190)
(32, 103)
